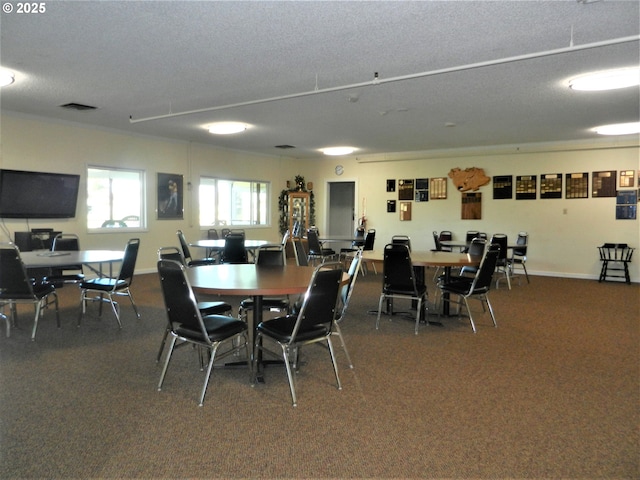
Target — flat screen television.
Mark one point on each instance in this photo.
(38, 194)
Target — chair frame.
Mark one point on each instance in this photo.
(316, 250)
(66, 242)
(22, 291)
(312, 324)
(519, 255)
(186, 253)
(188, 308)
(345, 297)
(503, 265)
(615, 257)
(478, 286)
(112, 287)
(408, 289)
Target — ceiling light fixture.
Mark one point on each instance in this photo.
(607, 80)
(227, 128)
(618, 129)
(334, 151)
(6, 78)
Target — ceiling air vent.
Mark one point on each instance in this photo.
(78, 106)
(285, 147)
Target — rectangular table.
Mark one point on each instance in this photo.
(48, 259)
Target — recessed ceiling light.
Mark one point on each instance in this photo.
(618, 129)
(6, 78)
(607, 80)
(227, 128)
(337, 150)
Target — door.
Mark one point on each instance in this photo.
(341, 219)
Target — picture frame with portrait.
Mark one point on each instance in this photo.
(170, 196)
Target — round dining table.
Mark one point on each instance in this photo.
(252, 280)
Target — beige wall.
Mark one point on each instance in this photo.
(562, 244)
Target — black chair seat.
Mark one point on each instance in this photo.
(59, 280)
(459, 286)
(281, 329)
(218, 327)
(420, 290)
(214, 308)
(103, 283)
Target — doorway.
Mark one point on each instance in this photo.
(341, 213)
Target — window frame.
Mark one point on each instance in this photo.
(255, 206)
(142, 178)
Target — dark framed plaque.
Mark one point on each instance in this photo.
(391, 206)
(576, 185)
(438, 188)
(405, 189)
(422, 190)
(502, 187)
(526, 186)
(551, 185)
(391, 185)
(603, 184)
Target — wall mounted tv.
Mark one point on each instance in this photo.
(38, 194)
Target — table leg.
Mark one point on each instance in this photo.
(254, 321)
(446, 307)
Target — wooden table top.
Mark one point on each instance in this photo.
(249, 279)
(432, 259)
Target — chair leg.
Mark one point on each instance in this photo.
(338, 332)
(287, 364)
(7, 322)
(382, 297)
(418, 312)
(35, 320)
(493, 317)
(172, 345)
(212, 357)
(133, 304)
(333, 362)
(162, 344)
(473, 325)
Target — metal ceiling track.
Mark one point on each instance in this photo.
(379, 81)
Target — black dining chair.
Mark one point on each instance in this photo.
(113, 287)
(234, 250)
(316, 250)
(503, 266)
(312, 324)
(17, 287)
(65, 242)
(187, 325)
(399, 281)
(186, 253)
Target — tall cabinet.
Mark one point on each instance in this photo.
(298, 212)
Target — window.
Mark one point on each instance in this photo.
(233, 202)
(115, 198)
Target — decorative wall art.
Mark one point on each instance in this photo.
(422, 190)
(471, 206)
(551, 185)
(438, 188)
(503, 187)
(526, 186)
(170, 196)
(405, 189)
(577, 185)
(405, 211)
(469, 179)
(603, 184)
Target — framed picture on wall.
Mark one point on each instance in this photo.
(170, 196)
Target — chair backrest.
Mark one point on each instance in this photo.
(128, 266)
(301, 256)
(522, 241)
(501, 240)
(347, 290)
(212, 234)
(65, 242)
(471, 234)
(482, 281)
(477, 246)
(359, 237)
(320, 299)
(398, 271)
(171, 253)
(402, 239)
(285, 238)
(369, 239)
(14, 281)
(445, 235)
(314, 243)
(436, 241)
(184, 245)
(180, 302)
(234, 250)
(224, 232)
(270, 255)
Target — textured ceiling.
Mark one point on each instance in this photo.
(302, 73)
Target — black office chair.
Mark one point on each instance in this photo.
(399, 281)
(477, 287)
(345, 297)
(16, 286)
(186, 253)
(112, 287)
(316, 250)
(312, 324)
(356, 244)
(65, 242)
(188, 326)
(205, 308)
(268, 256)
(234, 250)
